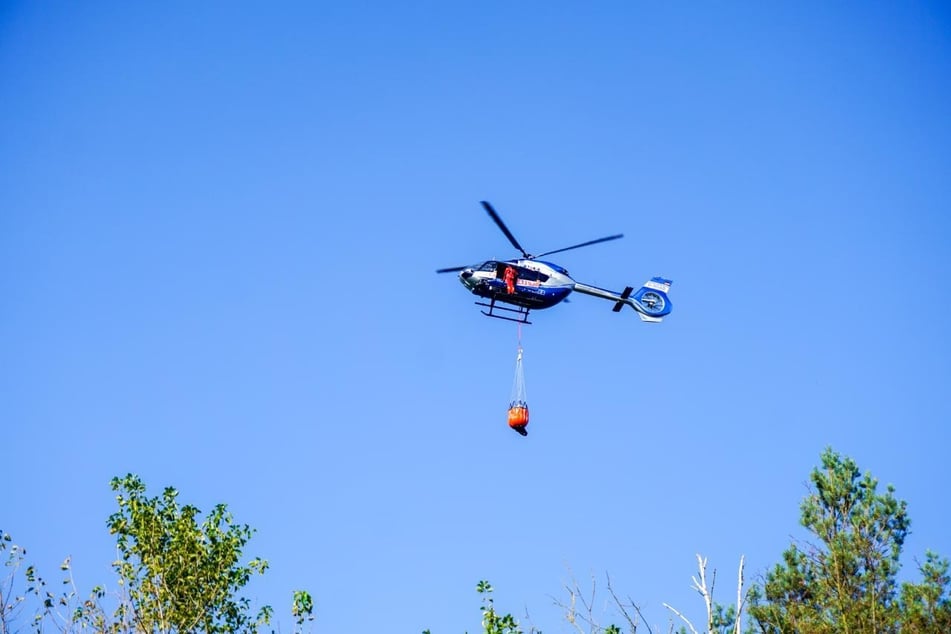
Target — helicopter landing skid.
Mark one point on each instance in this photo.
(520, 312)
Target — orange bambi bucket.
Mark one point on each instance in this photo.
(518, 404)
(518, 418)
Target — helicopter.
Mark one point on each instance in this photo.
(528, 283)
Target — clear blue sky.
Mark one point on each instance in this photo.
(219, 224)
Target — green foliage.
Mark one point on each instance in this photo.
(179, 575)
(64, 610)
(723, 619)
(10, 603)
(492, 621)
(926, 606)
(176, 575)
(303, 608)
(847, 581)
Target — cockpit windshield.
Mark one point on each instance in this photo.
(487, 266)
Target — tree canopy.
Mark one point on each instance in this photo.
(176, 574)
(845, 580)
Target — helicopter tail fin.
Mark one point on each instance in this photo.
(651, 301)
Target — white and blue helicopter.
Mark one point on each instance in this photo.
(528, 283)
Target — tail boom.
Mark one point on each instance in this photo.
(650, 301)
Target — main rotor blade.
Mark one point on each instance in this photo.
(452, 269)
(505, 230)
(583, 244)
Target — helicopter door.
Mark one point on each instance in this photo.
(509, 273)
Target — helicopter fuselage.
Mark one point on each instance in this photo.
(534, 285)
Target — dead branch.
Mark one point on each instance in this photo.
(739, 598)
(685, 619)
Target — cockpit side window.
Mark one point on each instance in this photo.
(532, 276)
(488, 266)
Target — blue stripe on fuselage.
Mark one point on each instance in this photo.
(527, 297)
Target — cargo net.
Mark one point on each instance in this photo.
(518, 405)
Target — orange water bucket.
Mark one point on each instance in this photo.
(518, 418)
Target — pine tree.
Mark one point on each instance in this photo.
(845, 582)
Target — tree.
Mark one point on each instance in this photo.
(580, 612)
(720, 619)
(926, 605)
(176, 575)
(846, 580)
(492, 621)
(180, 576)
(11, 603)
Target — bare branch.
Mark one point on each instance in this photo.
(685, 619)
(586, 619)
(571, 609)
(739, 598)
(631, 621)
(701, 587)
(589, 605)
